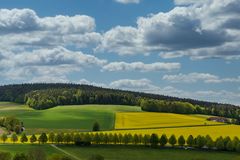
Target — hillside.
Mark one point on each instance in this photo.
(17, 92)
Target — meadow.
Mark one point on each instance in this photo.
(143, 153)
(65, 118)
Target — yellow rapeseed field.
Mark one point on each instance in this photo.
(213, 131)
(133, 120)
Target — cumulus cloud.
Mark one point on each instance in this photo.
(43, 63)
(128, 1)
(198, 29)
(197, 77)
(140, 66)
(23, 28)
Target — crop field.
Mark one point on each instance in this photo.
(213, 131)
(125, 120)
(129, 119)
(64, 118)
(143, 153)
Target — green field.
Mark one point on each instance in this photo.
(125, 152)
(21, 148)
(65, 118)
(143, 153)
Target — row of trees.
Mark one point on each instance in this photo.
(12, 124)
(201, 142)
(152, 105)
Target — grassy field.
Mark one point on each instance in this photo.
(125, 152)
(131, 120)
(20, 148)
(64, 118)
(143, 153)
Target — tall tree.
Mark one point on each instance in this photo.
(14, 137)
(23, 138)
(43, 138)
(163, 140)
(181, 141)
(172, 140)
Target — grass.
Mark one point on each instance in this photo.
(143, 153)
(20, 148)
(132, 120)
(64, 118)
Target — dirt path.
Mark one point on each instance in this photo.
(65, 152)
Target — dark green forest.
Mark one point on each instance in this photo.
(44, 96)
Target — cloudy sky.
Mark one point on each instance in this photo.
(183, 48)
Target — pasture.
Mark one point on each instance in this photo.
(24, 148)
(144, 153)
(65, 118)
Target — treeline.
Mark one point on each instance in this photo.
(152, 105)
(11, 124)
(86, 139)
(44, 99)
(17, 92)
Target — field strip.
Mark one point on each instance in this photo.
(212, 125)
(65, 152)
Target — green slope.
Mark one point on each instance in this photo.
(79, 117)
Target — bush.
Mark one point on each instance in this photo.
(96, 126)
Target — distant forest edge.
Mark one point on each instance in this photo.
(43, 96)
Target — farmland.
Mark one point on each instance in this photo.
(64, 118)
(123, 152)
(143, 153)
(143, 120)
(129, 119)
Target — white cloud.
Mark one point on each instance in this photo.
(188, 2)
(197, 77)
(128, 1)
(24, 29)
(206, 29)
(140, 66)
(56, 62)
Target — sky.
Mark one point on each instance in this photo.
(182, 48)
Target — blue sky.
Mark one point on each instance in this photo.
(181, 48)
